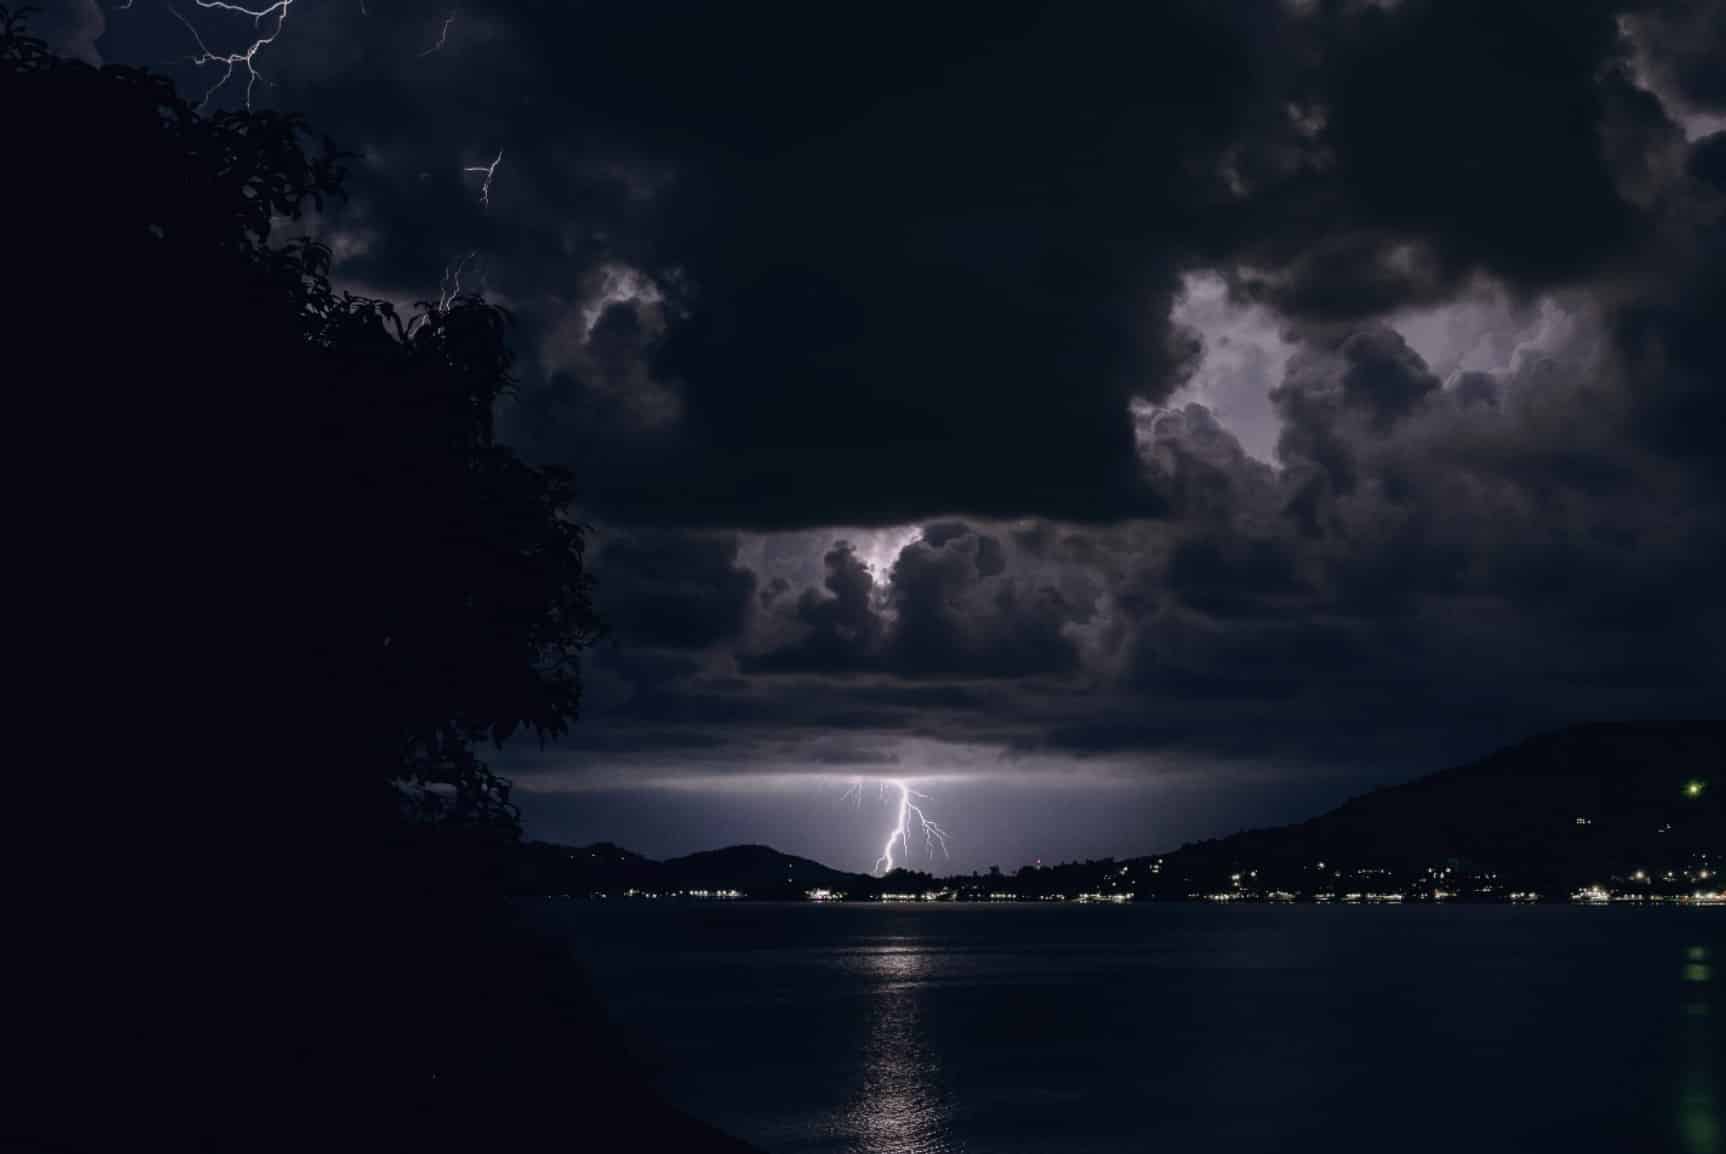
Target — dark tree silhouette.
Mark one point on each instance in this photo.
(280, 586)
(332, 498)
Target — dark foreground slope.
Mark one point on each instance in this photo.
(341, 1022)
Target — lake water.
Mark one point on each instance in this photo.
(1067, 1029)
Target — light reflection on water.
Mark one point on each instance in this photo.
(1698, 1109)
(1081, 1030)
(897, 1103)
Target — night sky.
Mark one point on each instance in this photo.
(1130, 425)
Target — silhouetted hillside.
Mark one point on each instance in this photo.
(752, 870)
(1574, 807)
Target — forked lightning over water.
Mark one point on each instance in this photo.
(909, 811)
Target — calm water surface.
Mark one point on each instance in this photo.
(1170, 1027)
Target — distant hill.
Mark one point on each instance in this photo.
(754, 870)
(1569, 808)
(1591, 804)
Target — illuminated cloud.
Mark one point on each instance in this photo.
(1295, 395)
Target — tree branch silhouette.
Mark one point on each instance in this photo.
(308, 453)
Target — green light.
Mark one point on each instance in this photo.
(1693, 789)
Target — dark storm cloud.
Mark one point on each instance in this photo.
(951, 618)
(1477, 389)
(1670, 330)
(842, 629)
(1707, 164)
(69, 27)
(677, 590)
(814, 721)
(1196, 657)
(942, 610)
(1234, 575)
(924, 698)
(780, 269)
(961, 242)
(642, 669)
(613, 741)
(807, 707)
(938, 533)
(881, 274)
(1434, 562)
(1686, 40)
(991, 561)
(1430, 140)
(908, 258)
(1110, 735)
(855, 755)
(1370, 377)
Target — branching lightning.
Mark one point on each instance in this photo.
(910, 816)
(449, 288)
(443, 34)
(490, 170)
(278, 10)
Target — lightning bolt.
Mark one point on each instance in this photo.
(228, 60)
(489, 170)
(449, 288)
(909, 811)
(442, 38)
